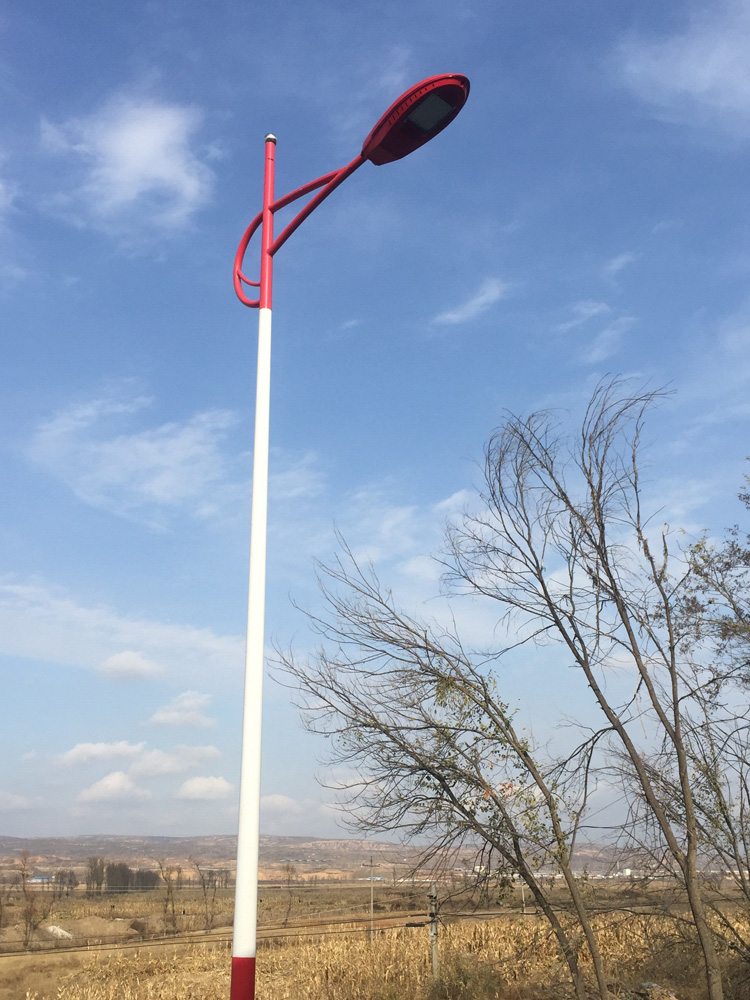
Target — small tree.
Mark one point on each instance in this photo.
(36, 906)
(290, 874)
(64, 882)
(145, 878)
(169, 874)
(7, 890)
(119, 877)
(208, 879)
(95, 874)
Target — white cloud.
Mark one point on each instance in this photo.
(114, 787)
(424, 569)
(379, 529)
(617, 264)
(455, 502)
(287, 816)
(580, 313)
(129, 665)
(44, 623)
(84, 753)
(153, 475)
(700, 75)
(135, 165)
(607, 342)
(488, 293)
(152, 763)
(300, 478)
(377, 78)
(184, 710)
(280, 805)
(175, 466)
(9, 802)
(206, 789)
(11, 272)
(8, 193)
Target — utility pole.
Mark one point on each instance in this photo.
(372, 899)
(433, 897)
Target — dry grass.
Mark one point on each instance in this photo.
(503, 959)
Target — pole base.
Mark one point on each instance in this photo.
(243, 979)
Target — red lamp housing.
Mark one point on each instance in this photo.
(418, 115)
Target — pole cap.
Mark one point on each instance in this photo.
(271, 138)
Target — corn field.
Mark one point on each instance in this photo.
(509, 958)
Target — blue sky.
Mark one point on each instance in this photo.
(586, 213)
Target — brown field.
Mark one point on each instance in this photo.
(509, 958)
(322, 950)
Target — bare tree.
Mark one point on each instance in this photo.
(716, 603)
(436, 750)
(7, 890)
(565, 548)
(561, 543)
(209, 883)
(36, 905)
(169, 875)
(720, 597)
(95, 874)
(63, 882)
(290, 874)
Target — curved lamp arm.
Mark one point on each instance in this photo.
(328, 183)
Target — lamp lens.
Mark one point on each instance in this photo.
(430, 112)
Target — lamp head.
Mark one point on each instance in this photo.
(416, 117)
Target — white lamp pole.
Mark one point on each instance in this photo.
(417, 116)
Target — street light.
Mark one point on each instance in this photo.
(411, 121)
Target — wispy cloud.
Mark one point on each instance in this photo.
(10, 802)
(11, 271)
(615, 265)
(580, 313)
(184, 710)
(177, 465)
(8, 192)
(154, 763)
(607, 342)
(488, 293)
(284, 815)
(47, 624)
(699, 75)
(153, 474)
(135, 165)
(372, 84)
(300, 478)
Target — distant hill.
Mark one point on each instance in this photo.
(219, 848)
(340, 853)
(307, 852)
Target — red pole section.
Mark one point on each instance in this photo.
(266, 257)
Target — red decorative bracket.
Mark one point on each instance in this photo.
(329, 182)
